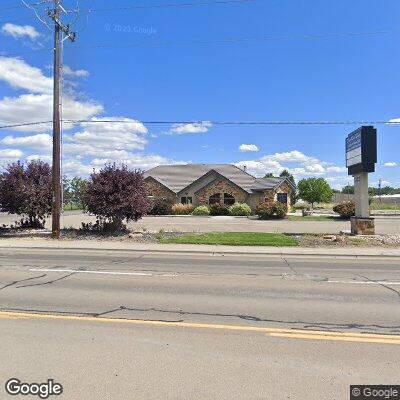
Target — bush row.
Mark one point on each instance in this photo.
(160, 206)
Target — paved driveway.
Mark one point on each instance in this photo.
(384, 225)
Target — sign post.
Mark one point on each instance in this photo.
(361, 156)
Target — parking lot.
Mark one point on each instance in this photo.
(74, 219)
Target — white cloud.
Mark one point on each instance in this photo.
(247, 148)
(79, 73)
(292, 157)
(336, 169)
(390, 164)
(38, 107)
(41, 141)
(43, 157)
(395, 120)
(315, 168)
(20, 75)
(75, 167)
(196, 127)
(89, 146)
(300, 165)
(20, 31)
(10, 155)
(103, 135)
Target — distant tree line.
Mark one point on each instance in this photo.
(373, 191)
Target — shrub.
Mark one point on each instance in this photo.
(115, 194)
(271, 209)
(201, 210)
(280, 210)
(265, 210)
(240, 209)
(182, 209)
(160, 206)
(346, 209)
(219, 209)
(26, 190)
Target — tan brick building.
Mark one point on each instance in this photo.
(215, 183)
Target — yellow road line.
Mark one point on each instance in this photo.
(359, 339)
(277, 332)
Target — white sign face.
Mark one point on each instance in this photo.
(353, 149)
(353, 157)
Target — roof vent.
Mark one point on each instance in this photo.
(244, 168)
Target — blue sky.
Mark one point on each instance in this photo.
(261, 60)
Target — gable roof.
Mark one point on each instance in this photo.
(270, 183)
(178, 177)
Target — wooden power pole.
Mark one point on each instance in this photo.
(61, 32)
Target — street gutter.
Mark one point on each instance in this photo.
(212, 250)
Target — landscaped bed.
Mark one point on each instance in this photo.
(233, 239)
(315, 218)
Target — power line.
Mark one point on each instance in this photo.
(25, 124)
(240, 40)
(151, 122)
(219, 41)
(169, 5)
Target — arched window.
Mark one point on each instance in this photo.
(215, 198)
(228, 199)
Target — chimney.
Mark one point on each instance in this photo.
(244, 168)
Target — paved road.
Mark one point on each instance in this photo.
(117, 325)
(384, 225)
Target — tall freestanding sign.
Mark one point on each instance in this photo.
(361, 156)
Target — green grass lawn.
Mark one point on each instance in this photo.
(234, 239)
(383, 206)
(313, 218)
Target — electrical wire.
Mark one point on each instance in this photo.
(81, 121)
(238, 40)
(31, 7)
(168, 5)
(171, 5)
(218, 41)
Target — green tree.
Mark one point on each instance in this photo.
(269, 175)
(77, 191)
(348, 189)
(66, 186)
(315, 190)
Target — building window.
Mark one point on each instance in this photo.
(215, 198)
(228, 199)
(186, 200)
(282, 198)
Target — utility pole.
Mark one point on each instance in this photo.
(380, 190)
(61, 32)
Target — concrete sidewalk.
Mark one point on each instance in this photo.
(42, 243)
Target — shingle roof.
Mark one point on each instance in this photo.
(267, 183)
(178, 177)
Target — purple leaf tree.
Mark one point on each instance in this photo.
(115, 194)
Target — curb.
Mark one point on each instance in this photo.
(212, 252)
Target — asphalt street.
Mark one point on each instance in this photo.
(123, 325)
